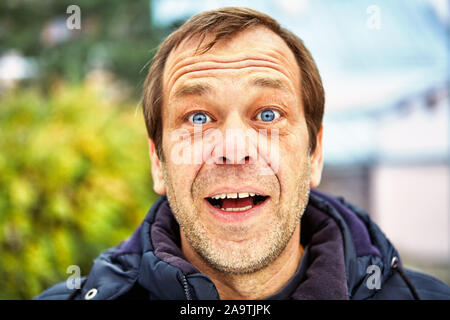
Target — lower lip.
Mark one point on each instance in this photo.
(236, 216)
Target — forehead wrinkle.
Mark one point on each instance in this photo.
(202, 72)
(186, 61)
(213, 64)
(257, 42)
(189, 55)
(258, 77)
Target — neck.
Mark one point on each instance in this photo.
(253, 286)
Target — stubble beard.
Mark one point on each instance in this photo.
(253, 255)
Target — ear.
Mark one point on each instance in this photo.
(317, 161)
(158, 180)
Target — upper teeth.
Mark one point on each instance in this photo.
(234, 195)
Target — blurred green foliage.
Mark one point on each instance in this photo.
(74, 180)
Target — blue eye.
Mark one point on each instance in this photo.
(199, 118)
(267, 115)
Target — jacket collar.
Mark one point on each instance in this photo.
(164, 271)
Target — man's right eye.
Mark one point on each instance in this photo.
(199, 118)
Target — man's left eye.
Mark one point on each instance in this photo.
(268, 115)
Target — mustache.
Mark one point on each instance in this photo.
(212, 176)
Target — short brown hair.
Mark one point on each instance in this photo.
(223, 23)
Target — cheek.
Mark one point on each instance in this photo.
(294, 141)
(181, 177)
(180, 169)
(293, 155)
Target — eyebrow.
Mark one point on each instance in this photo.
(193, 89)
(269, 83)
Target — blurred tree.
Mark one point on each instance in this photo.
(74, 180)
(74, 168)
(115, 35)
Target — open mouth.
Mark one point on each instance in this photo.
(238, 201)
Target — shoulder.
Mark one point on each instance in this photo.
(59, 291)
(427, 287)
(113, 273)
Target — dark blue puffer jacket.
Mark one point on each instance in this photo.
(344, 250)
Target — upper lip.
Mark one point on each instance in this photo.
(245, 189)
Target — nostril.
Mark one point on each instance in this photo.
(222, 160)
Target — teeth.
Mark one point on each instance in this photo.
(233, 195)
(237, 209)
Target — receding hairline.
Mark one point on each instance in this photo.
(189, 46)
(202, 42)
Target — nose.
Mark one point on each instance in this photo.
(238, 143)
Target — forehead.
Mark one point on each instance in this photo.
(256, 46)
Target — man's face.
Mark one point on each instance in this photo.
(249, 83)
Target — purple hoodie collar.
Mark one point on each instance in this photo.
(358, 231)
